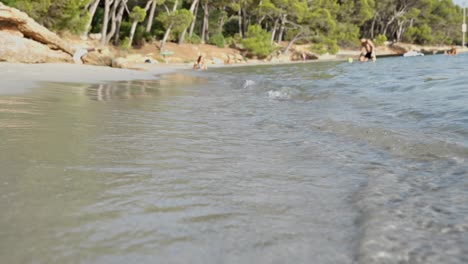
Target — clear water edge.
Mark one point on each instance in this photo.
(322, 163)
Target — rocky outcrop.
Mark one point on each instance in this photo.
(402, 48)
(24, 40)
(31, 29)
(15, 48)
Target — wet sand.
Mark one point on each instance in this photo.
(18, 78)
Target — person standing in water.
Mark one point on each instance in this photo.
(200, 64)
(453, 51)
(367, 50)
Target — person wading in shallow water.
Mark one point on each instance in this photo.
(200, 64)
(452, 51)
(367, 50)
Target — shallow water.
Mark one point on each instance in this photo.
(305, 163)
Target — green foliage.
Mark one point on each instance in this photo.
(125, 44)
(181, 19)
(324, 23)
(140, 36)
(380, 40)
(37, 9)
(229, 41)
(422, 34)
(96, 25)
(178, 21)
(231, 27)
(194, 39)
(125, 29)
(217, 40)
(216, 16)
(347, 35)
(324, 46)
(237, 38)
(69, 15)
(257, 42)
(138, 14)
(58, 14)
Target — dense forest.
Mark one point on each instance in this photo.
(256, 25)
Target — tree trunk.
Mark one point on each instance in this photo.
(119, 21)
(107, 4)
(192, 10)
(384, 32)
(240, 20)
(114, 21)
(205, 23)
(135, 24)
(192, 26)
(400, 30)
(395, 16)
(151, 15)
(245, 22)
(373, 26)
(260, 20)
(92, 10)
(166, 36)
(283, 22)
(273, 32)
(132, 31)
(292, 42)
(221, 20)
(168, 30)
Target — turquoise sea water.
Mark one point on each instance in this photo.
(304, 163)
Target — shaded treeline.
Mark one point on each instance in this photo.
(252, 24)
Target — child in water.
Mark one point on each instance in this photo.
(200, 64)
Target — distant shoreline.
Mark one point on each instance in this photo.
(17, 78)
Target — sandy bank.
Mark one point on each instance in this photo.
(18, 78)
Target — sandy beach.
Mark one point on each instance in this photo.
(18, 78)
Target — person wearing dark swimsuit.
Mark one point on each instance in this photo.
(367, 50)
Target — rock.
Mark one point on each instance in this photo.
(12, 18)
(96, 58)
(15, 48)
(123, 63)
(138, 58)
(237, 58)
(402, 48)
(120, 63)
(96, 36)
(282, 58)
(218, 61)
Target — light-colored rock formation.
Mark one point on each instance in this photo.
(24, 40)
(15, 48)
(14, 19)
(402, 48)
(124, 63)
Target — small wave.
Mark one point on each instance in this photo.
(248, 83)
(285, 93)
(278, 95)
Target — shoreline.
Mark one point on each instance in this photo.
(18, 78)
